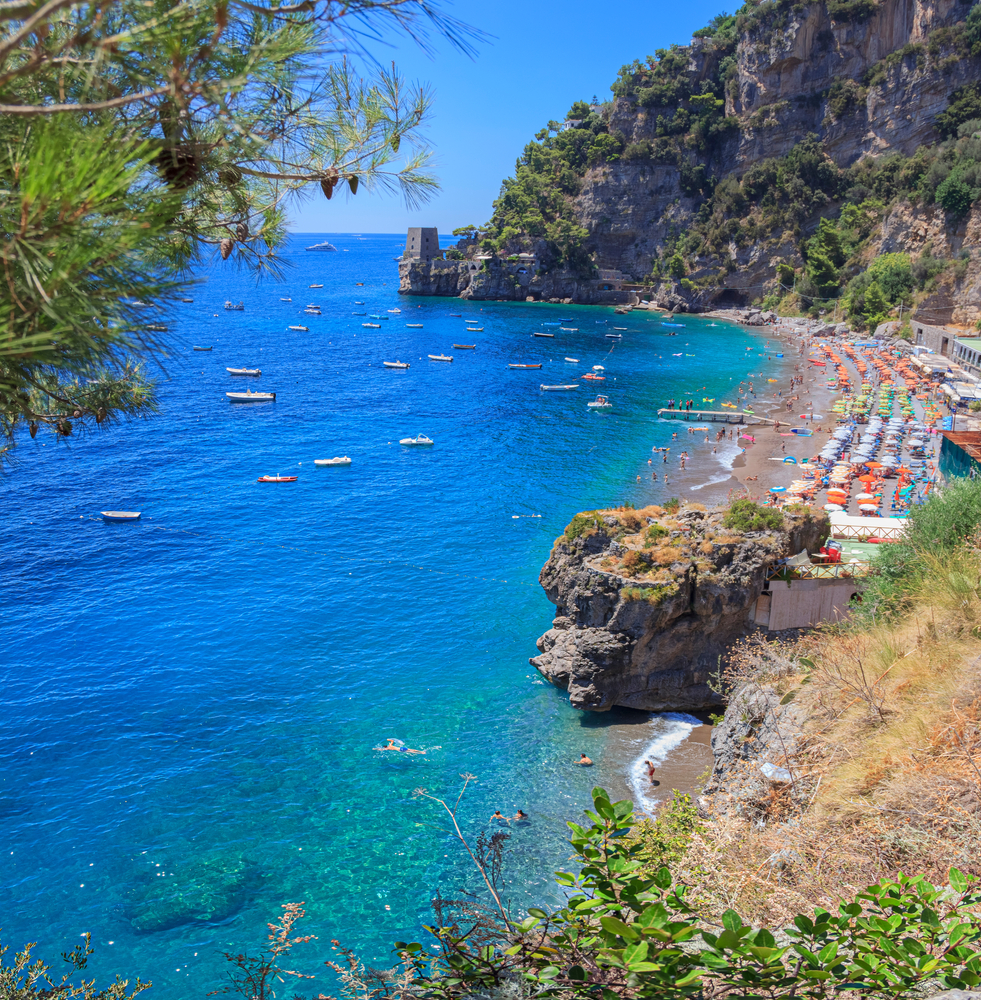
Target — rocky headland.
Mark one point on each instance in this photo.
(647, 601)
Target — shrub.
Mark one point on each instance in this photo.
(746, 515)
(672, 506)
(583, 524)
(955, 196)
(655, 533)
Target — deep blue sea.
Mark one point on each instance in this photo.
(190, 703)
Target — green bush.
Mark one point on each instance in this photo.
(585, 523)
(746, 515)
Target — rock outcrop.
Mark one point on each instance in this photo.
(647, 603)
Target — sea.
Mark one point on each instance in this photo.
(191, 705)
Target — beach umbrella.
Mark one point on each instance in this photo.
(868, 508)
(790, 460)
(778, 489)
(833, 507)
(867, 478)
(874, 465)
(865, 496)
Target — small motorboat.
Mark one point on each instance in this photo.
(394, 310)
(276, 479)
(120, 515)
(598, 368)
(573, 361)
(557, 388)
(357, 303)
(372, 326)
(440, 357)
(359, 314)
(235, 307)
(595, 378)
(243, 371)
(456, 315)
(614, 336)
(569, 329)
(376, 316)
(285, 300)
(414, 326)
(359, 284)
(325, 246)
(475, 329)
(316, 286)
(620, 328)
(565, 319)
(305, 329)
(251, 397)
(313, 312)
(600, 403)
(538, 334)
(187, 300)
(419, 441)
(395, 364)
(551, 324)
(524, 366)
(202, 348)
(343, 460)
(465, 347)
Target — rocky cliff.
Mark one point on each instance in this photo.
(647, 601)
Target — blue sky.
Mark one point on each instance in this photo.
(544, 55)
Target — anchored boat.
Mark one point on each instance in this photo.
(232, 307)
(524, 366)
(465, 347)
(251, 397)
(244, 371)
(419, 441)
(600, 403)
(440, 357)
(344, 460)
(557, 388)
(323, 246)
(276, 479)
(395, 364)
(120, 515)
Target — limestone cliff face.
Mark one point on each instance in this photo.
(627, 633)
(780, 94)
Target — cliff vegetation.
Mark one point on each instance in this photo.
(809, 156)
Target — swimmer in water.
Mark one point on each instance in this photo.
(499, 816)
(584, 760)
(397, 746)
(520, 816)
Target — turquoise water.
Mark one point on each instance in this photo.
(190, 702)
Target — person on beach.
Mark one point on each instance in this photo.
(650, 771)
(584, 761)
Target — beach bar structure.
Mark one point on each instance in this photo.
(848, 526)
(800, 603)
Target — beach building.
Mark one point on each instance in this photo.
(610, 280)
(960, 454)
(421, 243)
(967, 353)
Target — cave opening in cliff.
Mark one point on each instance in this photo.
(731, 297)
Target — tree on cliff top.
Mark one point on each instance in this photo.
(138, 137)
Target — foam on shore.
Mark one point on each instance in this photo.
(670, 730)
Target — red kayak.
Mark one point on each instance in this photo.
(595, 378)
(276, 479)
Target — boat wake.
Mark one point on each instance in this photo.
(670, 730)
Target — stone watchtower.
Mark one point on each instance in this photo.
(422, 243)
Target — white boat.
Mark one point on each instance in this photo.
(414, 326)
(285, 300)
(614, 336)
(475, 329)
(395, 364)
(574, 361)
(251, 397)
(187, 300)
(344, 460)
(620, 328)
(323, 246)
(569, 329)
(598, 368)
(244, 371)
(601, 402)
(419, 441)
(394, 310)
(372, 326)
(232, 307)
(305, 329)
(539, 334)
(121, 515)
(557, 388)
(440, 357)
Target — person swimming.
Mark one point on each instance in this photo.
(500, 817)
(398, 745)
(520, 816)
(584, 760)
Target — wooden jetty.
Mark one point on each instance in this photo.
(714, 416)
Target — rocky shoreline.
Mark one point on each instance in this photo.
(648, 601)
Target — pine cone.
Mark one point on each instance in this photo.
(327, 186)
(100, 414)
(179, 166)
(396, 141)
(226, 248)
(33, 429)
(242, 231)
(352, 183)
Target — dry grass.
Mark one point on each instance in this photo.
(888, 762)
